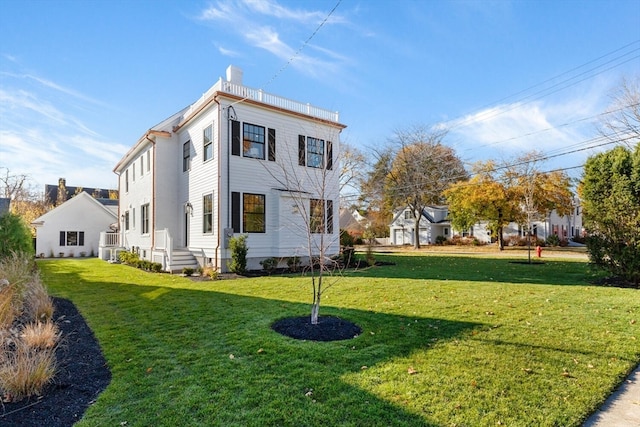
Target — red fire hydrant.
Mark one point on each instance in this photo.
(539, 251)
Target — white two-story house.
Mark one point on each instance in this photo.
(236, 161)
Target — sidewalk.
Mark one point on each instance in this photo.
(622, 408)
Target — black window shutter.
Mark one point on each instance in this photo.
(330, 216)
(63, 240)
(301, 151)
(235, 137)
(329, 155)
(235, 211)
(272, 145)
(81, 238)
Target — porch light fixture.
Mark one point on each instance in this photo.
(188, 208)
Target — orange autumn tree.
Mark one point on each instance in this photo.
(483, 197)
(515, 192)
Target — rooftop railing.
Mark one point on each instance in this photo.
(267, 98)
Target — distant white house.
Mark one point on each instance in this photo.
(435, 222)
(218, 169)
(73, 228)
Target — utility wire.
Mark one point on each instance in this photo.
(583, 119)
(560, 75)
(462, 121)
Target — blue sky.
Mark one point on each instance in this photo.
(81, 81)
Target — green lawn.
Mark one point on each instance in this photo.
(447, 341)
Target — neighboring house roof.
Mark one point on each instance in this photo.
(425, 214)
(51, 192)
(351, 220)
(82, 197)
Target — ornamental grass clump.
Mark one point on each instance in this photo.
(40, 335)
(28, 337)
(25, 370)
(9, 300)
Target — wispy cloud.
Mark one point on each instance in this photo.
(560, 126)
(509, 130)
(255, 23)
(273, 9)
(42, 138)
(52, 85)
(228, 52)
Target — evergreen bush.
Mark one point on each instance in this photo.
(239, 249)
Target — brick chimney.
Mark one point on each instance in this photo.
(62, 192)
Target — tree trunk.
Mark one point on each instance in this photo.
(500, 237)
(315, 309)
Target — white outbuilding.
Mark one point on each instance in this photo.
(73, 228)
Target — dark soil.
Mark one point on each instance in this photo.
(616, 282)
(82, 375)
(329, 328)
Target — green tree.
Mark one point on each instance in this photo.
(610, 192)
(15, 236)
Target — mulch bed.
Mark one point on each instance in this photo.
(329, 328)
(82, 375)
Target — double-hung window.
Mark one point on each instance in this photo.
(144, 218)
(253, 213)
(207, 143)
(207, 213)
(253, 141)
(186, 156)
(315, 152)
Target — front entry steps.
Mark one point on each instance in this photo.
(182, 258)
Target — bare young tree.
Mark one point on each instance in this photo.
(536, 193)
(309, 180)
(14, 186)
(352, 170)
(26, 202)
(622, 121)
